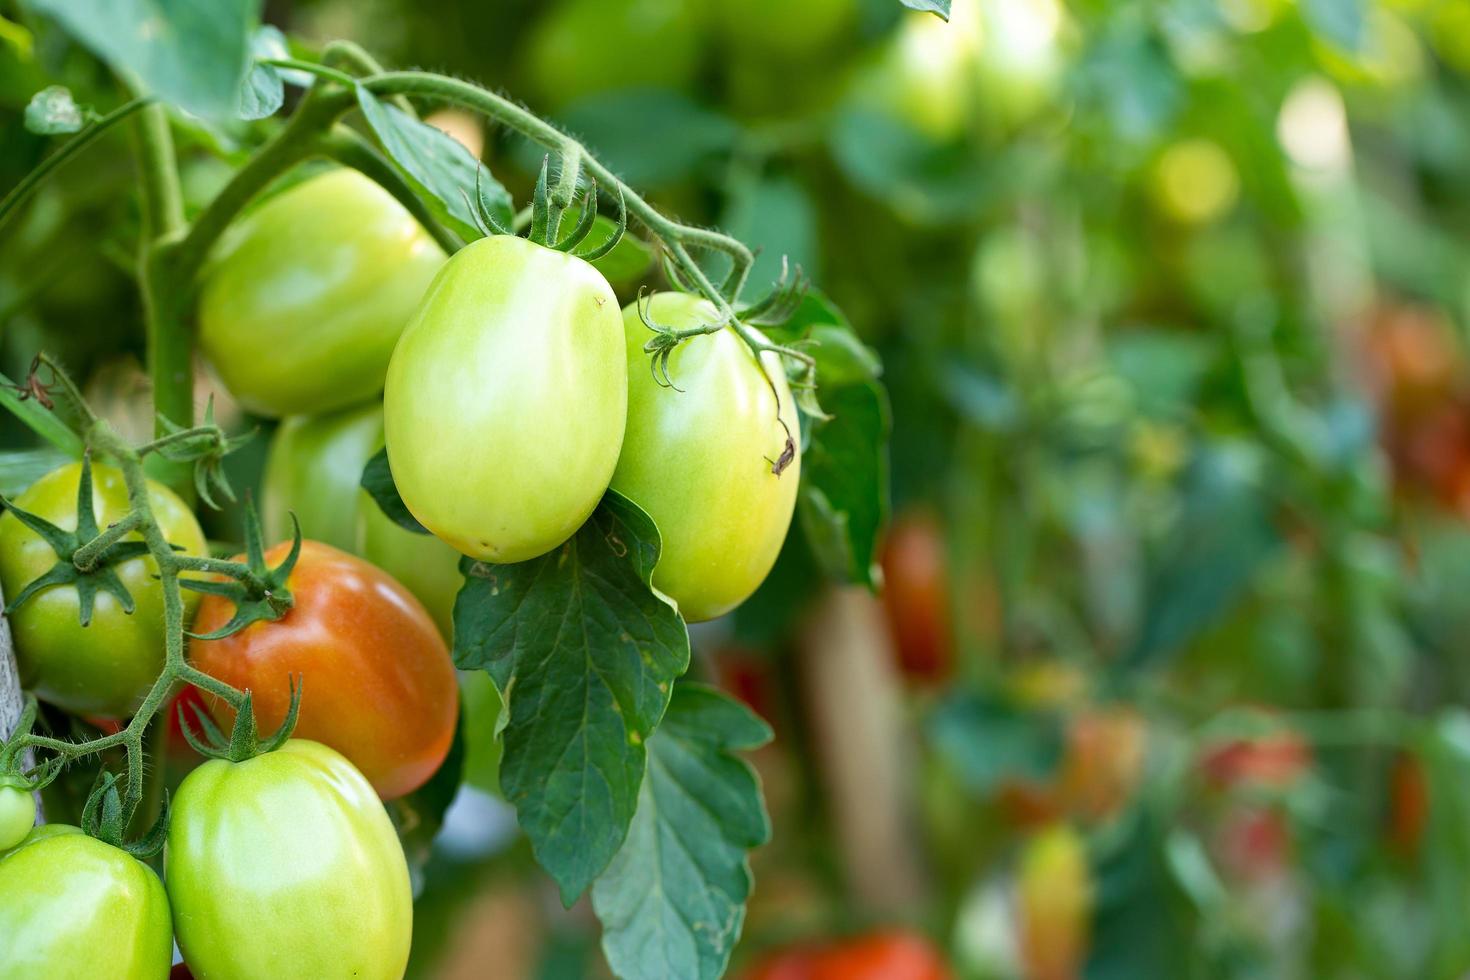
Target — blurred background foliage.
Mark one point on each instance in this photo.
(1167, 678)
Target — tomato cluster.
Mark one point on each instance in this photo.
(282, 865)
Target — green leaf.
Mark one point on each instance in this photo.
(19, 468)
(1141, 926)
(629, 259)
(419, 816)
(584, 653)
(672, 902)
(377, 480)
(940, 7)
(775, 216)
(53, 111)
(988, 741)
(1205, 565)
(844, 476)
(193, 53)
(264, 90)
(446, 174)
(1338, 22)
(650, 138)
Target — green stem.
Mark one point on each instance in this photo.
(86, 557)
(71, 148)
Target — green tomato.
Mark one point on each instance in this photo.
(698, 458)
(314, 470)
(506, 399)
(581, 48)
(105, 668)
(425, 566)
(17, 814)
(38, 834)
(782, 30)
(287, 865)
(74, 907)
(303, 300)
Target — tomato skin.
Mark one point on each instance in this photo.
(698, 460)
(581, 47)
(506, 399)
(17, 815)
(916, 597)
(287, 865)
(304, 298)
(39, 834)
(105, 668)
(889, 955)
(315, 470)
(377, 683)
(1054, 897)
(74, 907)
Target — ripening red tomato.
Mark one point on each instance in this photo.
(377, 682)
(888, 955)
(916, 596)
(1271, 761)
(1408, 813)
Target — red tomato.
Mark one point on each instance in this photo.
(916, 596)
(889, 955)
(377, 682)
(1252, 843)
(1408, 804)
(1275, 760)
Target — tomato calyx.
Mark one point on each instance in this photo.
(259, 592)
(244, 742)
(84, 557)
(205, 445)
(108, 814)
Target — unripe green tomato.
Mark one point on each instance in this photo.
(74, 907)
(698, 458)
(38, 834)
(314, 470)
(303, 300)
(426, 566)
(582, 47)
(17, 814)
(105, 668)
(506, 399)
(287, 865)
(783, 30)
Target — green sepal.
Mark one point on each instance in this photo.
(65, 544)
(263, 596)
(107, 816)
(244, 741)
(541, 205)
(593, 254)
(585, 220)
(207, 451)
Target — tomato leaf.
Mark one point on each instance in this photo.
(988, 741)
(940, 7)
(52, 111)
(192, 53)
(264, 90)
(651, 138)
(585, 653)
(446, 174)
(844, 476)
(672, 902)
(377, 480)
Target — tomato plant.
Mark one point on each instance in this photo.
(287, 865)
(324, 276)
(72, 906)
(704, 455)
(107, 666)
(513, 364)
(377, 682)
